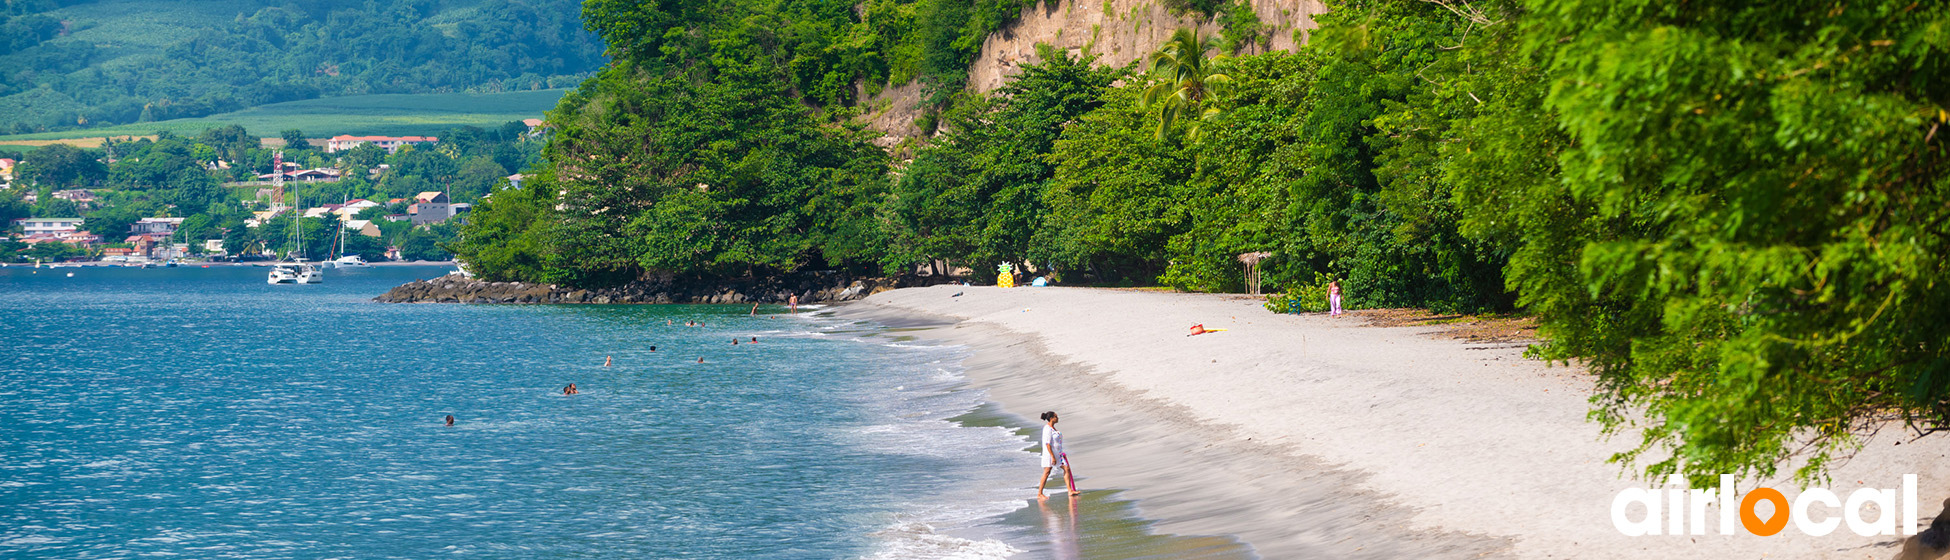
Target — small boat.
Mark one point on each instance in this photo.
(350, 261)
(295, 273)
(310, 274)
(284, 273)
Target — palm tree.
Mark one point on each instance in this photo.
(1188, 84)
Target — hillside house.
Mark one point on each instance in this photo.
(352, 207)
(77, 196)
(163, 226)
(48, 226)
(363, 227)
(314, 175)
(390, 143)
(430, 207)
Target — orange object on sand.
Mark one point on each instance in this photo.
(1200, 329)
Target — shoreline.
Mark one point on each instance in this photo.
(198, 264)
(1304, 435)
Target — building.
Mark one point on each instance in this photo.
(163, 226)
(48, 226)
(514, 181)
(390, 143)
(213, 246)
(79, 238)
(353, 207)
(6, 172)
(363, 227)
(77, 196)
(316, 175)
(259, 217)
(430, 207)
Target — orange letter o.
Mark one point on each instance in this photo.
(1752, 521)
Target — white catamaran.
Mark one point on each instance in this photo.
(296, 270)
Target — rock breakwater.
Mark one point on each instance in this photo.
(810, 287)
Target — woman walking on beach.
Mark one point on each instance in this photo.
(1333, 298)
(1053, 456)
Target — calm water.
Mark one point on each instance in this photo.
(203, 413)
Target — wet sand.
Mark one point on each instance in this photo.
(1305, 436)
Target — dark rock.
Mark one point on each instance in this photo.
(811, 287)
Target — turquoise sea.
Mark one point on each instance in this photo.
(202, 413)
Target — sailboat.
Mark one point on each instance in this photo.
(341, 260)
(295, 271)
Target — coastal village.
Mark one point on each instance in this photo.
(396, 198)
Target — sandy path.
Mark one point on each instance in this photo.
(1471, 438)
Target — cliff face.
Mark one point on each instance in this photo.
(1119, 32)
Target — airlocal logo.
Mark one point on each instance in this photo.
(1814, 511)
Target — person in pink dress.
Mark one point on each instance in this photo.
(1333, 298)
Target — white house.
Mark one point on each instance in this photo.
(165, 226)
(390, 143)
(48, 226)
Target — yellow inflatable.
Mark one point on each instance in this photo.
(1006, 276)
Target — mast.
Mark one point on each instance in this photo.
(338, 247)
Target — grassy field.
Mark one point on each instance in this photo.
(379, 115)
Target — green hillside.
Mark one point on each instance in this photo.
(388, 115)
(77, 64)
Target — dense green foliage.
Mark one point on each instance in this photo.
(1761, 202)
(90, 63)
(1734, 215)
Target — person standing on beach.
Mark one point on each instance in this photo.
(1333, 298)
(792, 304)
(1053, 456)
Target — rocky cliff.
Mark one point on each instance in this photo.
(1118, 32)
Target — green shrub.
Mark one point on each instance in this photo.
(1309, 298)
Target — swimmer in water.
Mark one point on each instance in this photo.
(754, 340)
(700, 359)
(607, 360)
(734, 342)
(570, 390)
(450, 420)
(653, 348)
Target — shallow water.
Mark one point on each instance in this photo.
(203, 413)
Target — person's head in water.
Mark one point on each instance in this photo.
(653, 349)
(450, 419)
(754, 339)
(1050, 417)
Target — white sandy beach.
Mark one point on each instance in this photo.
(1303, 434)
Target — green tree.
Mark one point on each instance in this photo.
(61, 165)
(1186, 82)
(1745, 243)
(294, 140)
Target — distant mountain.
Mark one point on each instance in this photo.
(68, 64)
